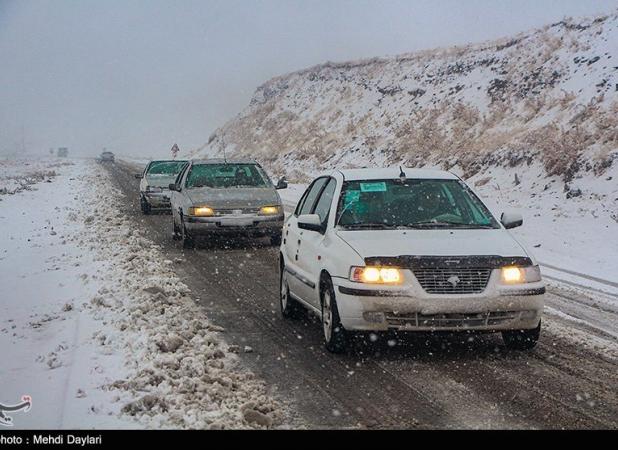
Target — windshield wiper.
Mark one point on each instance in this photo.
(369, 225)
(445, 224)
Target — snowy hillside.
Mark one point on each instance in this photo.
(550, 96)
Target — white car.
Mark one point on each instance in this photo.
(155, 179)
(226, 198)
(406, 250)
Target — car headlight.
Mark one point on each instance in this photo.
(269, 210)
(520, 275)
(376, 275)
(201, 211)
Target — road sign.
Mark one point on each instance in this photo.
(175, 151)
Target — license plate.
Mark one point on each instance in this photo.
(237, 222)
(237, 212)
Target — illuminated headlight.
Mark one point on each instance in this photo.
(201, 211)
(269, 210)
(519, 275)
(376, 275)
(153, 189)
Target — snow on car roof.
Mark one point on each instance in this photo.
(393, 172)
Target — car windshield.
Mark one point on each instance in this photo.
(165, 168)
(226, 176)
(413, 203)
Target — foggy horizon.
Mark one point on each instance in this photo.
(137, 77)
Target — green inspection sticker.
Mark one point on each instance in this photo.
(379, 186)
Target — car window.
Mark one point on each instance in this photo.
(411, 203)
(322, 207)
(223, 176)
(182, 174)
(165, 168)
(311, 196)
(301, 202)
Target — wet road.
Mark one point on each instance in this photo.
(455, 381)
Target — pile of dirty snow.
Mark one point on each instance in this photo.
(182, 374)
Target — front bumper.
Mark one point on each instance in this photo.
(157, 199)
(248, 224)
(410, 308)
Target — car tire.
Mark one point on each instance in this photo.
(521, 339)
(146, 209)
(275, 239)
(175, 231)
(335, 336)
(290, 308)
(187, 239)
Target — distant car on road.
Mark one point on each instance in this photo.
(225, 197)
(154, 185)
(106, 157)
(406, 250)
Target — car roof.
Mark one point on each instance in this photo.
(223, 161)
(394, 172)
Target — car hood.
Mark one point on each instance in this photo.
(372, 243)
(234, 197)
(160, 180)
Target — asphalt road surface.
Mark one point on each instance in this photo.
(422, 381)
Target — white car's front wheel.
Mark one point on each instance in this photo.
(175, 231)
(335, 336)
(187, 239)
(289, 307)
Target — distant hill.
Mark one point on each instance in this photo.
(549, 96)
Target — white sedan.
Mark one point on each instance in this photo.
(406, 250)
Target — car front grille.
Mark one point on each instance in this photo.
(236, 211)
(452, 320)
(452, 280)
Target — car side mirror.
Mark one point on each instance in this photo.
(310, 222)
(138, 175)
(511, 220)
(174, 187)
(282, 183)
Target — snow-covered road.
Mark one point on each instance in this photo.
(569, 380)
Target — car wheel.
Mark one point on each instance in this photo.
(290, 308)
(187, 239)
(275, 239)
(145, 206)
(175, 231)
(521, 339)
(335, 336)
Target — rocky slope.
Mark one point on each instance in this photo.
(548, 97)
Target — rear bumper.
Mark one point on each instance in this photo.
(252, 225)
(374, 309)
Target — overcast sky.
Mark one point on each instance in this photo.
(137, 76)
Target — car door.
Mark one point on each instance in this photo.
(143, 182)
(292, 237)
(311, 245)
